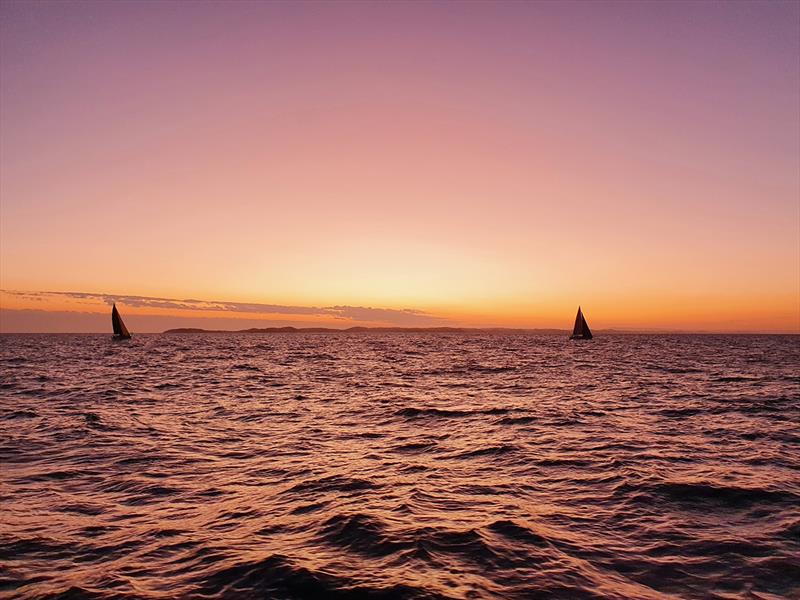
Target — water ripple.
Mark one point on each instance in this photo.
(419, 466)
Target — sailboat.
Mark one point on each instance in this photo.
(120, 331)
(581, 330)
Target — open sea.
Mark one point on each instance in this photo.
(399, 465)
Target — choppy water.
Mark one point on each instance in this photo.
(400, 466)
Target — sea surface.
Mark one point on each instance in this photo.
(374, 465)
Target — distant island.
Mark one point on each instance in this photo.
(471, 330)
(371, 329)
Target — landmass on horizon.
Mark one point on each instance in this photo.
(368, 329)
(471, 330)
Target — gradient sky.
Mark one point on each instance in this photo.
(478, 164)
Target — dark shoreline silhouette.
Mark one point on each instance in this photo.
(465, 330)
(370, 329)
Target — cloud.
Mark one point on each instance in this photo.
(407, 317)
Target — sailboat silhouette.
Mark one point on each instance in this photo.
(120, 331)
(581, 330)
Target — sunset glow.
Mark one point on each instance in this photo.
(399, 299)
(495, 165)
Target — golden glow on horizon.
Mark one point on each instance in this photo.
(687, 313)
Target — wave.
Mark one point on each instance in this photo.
(20, 414)
(518, 533)
(681, 412)
(488, 451)
(333, 483)
(277, 576)
(167, 385)
(468, 544)
(245, 367)
(517, 420)
(360, 533)
(711, 494)
(414, 447)
(413, 412)
(416, 412)
(679, 370)
(136, 492)
(38, 546)
(564, 462)
(466, 369)
(488, 369)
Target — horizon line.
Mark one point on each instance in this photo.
(391, 329)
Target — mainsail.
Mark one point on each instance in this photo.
(581, 330)
(120, 331)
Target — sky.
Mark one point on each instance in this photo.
(474, 164)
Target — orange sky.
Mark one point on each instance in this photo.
(483, 164)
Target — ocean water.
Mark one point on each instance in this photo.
(400, 466)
